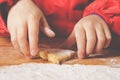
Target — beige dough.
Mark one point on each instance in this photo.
(56, 55)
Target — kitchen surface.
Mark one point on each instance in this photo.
(14, 66)
(9, 56)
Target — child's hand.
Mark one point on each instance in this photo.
(24, 21)
(91, 34)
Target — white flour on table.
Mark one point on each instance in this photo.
(35, 71)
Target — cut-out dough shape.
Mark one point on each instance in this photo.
(56, 55)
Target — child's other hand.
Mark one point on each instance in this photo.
(91, 34)
(24, 21)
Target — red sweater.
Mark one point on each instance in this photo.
(63, 14)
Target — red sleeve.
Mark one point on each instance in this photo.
(9, 2)
(109, 10)
(4, 7)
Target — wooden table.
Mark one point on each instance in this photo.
(9, 56)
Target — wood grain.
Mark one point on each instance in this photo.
(9, 56)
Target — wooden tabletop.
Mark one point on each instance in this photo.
(9, 56)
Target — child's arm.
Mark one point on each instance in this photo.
(92, 32)
(25, 20)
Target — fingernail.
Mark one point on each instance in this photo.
(51, 33)
(28, 56)
(81, 56)
(34, 52)
(106, 46)
(98, 50)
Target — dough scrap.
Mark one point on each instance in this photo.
(56, 55)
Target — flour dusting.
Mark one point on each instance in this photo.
(35, 71)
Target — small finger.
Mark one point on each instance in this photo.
(13, 33)
(107, 35)
(22, 39)
(46, 28)
(33, 33)
(81, 41)
(100, 38)
(69, 42)
(91, 40)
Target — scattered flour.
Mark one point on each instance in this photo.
(35, 71)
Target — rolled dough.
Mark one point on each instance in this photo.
(56, 55)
